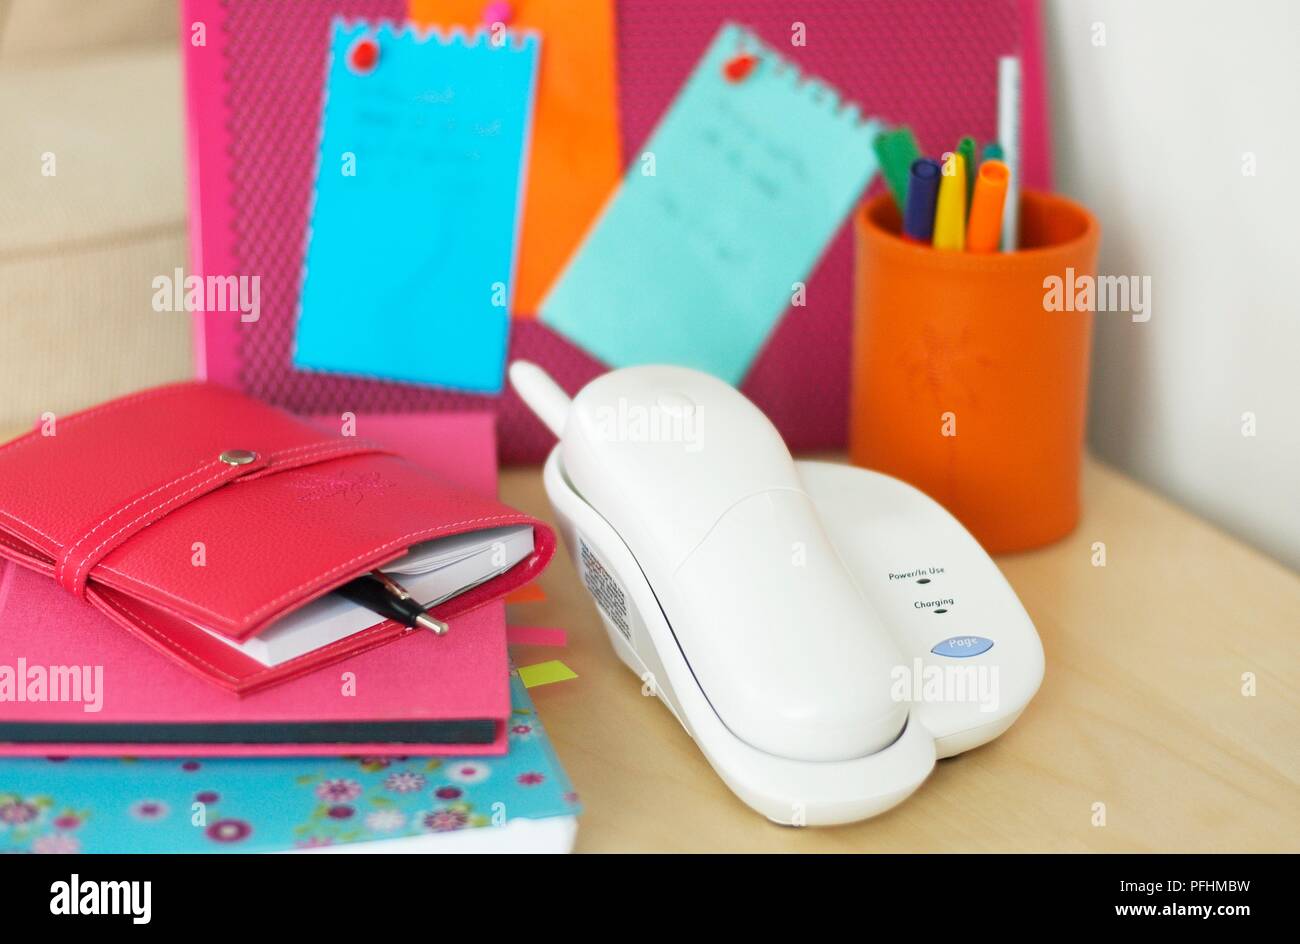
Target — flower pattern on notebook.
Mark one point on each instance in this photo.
(266, 804)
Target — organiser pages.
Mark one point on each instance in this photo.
(433, 572)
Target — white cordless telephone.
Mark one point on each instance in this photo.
(799, 619)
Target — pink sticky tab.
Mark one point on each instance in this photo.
(536, 636)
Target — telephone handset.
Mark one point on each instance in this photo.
(777, 607)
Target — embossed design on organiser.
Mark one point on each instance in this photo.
(354, 486)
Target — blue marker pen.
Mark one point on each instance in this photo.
(922, 193)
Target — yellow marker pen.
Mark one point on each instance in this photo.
(950, 211)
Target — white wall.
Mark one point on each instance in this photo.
(1149, 131)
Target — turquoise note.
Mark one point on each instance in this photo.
(411, 245)
(728, 205)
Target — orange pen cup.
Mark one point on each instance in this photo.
(964, 383)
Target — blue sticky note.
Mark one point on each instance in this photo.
(730, 203)
(411, 246)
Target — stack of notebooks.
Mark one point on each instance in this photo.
(421, 743)
(518, 802)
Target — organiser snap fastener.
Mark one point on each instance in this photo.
(238, 456)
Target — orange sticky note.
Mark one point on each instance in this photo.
(574, 162)
(528, 593)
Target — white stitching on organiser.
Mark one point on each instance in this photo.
(158, 634)
(155, 631)
(331, 444)
(176, 646)
(224, 619)
(77, 418)
(56, 543)
(102, 408)
(67, 553)
(163, 637)
(18, 550)
(76, 578)
(324, 447)
(49, 537)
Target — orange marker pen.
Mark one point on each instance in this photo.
(984, 228)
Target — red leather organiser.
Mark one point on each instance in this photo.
(192, 505)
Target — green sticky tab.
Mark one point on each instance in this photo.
(896, 151)
(544, 673)
(966, 148)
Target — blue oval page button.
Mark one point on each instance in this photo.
(963, 647)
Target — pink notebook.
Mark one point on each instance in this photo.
(73, 683)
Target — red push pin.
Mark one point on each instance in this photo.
(738, 68)
(363, 56)
(497, 12)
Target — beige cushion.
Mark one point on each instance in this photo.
(49, 29)
(79, 250)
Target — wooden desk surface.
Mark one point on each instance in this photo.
(1141, 709)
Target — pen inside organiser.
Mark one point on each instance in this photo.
(432, 572)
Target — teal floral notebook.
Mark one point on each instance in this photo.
(284, 804)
